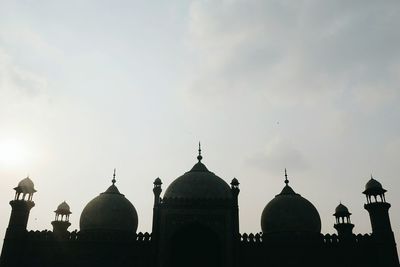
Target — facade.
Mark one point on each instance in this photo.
(196, 223)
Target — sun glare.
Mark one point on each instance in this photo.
(12, 152)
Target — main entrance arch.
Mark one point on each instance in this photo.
(195, 245)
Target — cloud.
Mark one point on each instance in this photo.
(23, 95)
(23, 51)
(277, 155)
(16, 81)
(296, 51)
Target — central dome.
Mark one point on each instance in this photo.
(198, 183)
(110, 211)
(290, 212)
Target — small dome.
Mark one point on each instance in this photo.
(235, 182)
(198, 183)
(25, 186)
(341, 210)
(290, 212)
(373, 187)
(109, 211)
(157, 181)
(63, 209)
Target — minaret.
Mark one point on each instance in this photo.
(16, 232)
(382, 233)
(343, 223)
(61, 220)
(377, 208)
(21, 206)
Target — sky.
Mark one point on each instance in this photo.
(88, 86)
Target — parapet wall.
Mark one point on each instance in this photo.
(76, 235)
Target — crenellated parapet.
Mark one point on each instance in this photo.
(330, 239)
(251, 238)
(37, 235)
(363, 238)
(46, 235)
(144, 237)
(334, 239)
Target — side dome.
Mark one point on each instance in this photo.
(198, 183)
(290, 212)
(110, 211)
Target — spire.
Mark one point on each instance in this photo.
(287, 190)
(286, 179)
(113, 179)
(199, 157)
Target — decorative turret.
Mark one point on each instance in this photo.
(235, 188)
(156, 209)
(235, 193)
(343, 223)
(157, 190)
(61, 220)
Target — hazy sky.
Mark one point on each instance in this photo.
(87, 86)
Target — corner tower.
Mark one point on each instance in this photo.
(377, 208)
(382, 233)
(16, 231)
(21, 207)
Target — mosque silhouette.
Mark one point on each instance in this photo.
(196, 223)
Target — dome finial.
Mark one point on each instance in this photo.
(286, 179)
(199, 157)
(113, 179)
(372, 176)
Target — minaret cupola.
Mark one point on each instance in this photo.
(377, 207)
(343, 223)
(61, 220)
(25, 188)
(62, 212)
